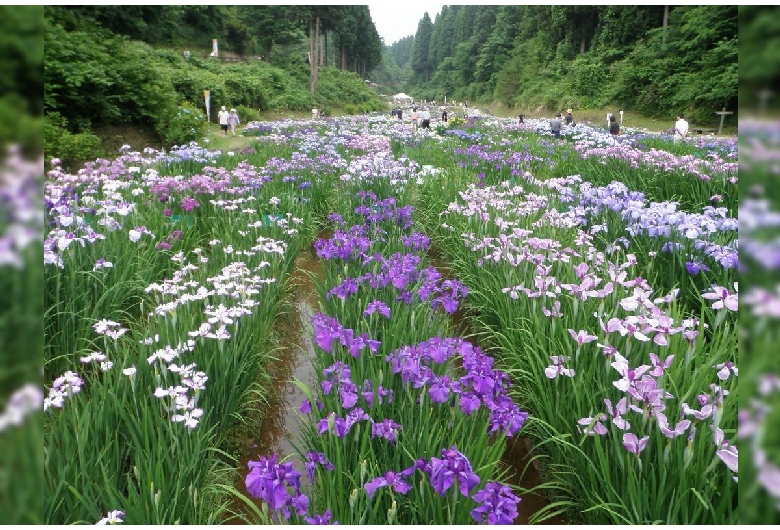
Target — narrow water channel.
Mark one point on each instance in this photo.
(280, 424)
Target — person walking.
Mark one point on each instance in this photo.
(680, 128)
(233, 121)
(425, 117)
(614, 126)
(555, 125)
(444, 114)
(414, 118)
(569, 117)
(224, 117)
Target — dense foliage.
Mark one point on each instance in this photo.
(759, 52)
(639, 57)
(21, 65)
(96, 75)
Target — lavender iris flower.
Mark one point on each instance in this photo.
(633, 444)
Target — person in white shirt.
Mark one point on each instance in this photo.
(680, 128)
(425, 118)
(224, 118)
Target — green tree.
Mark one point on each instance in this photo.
(422, 41)
(759, 51)
(402, 51)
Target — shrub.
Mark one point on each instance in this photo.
(181, 125)
(247, 114)
(292, 99)
(18, 126)
(73, 149)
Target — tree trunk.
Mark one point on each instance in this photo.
(582, 40)
(321, 47)
(343, 62)
(666, 22)
(325, 53)
(268, 52)
(314, 52)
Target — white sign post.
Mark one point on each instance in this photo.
(722, 117)
(207, 97)
(763, 97)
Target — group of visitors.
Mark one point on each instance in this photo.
(424, 118)
(680, 130)
(557, 122)
(421, 119)
(228, 120)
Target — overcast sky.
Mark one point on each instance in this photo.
(396, 20)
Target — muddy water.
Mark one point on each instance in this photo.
(280, 425)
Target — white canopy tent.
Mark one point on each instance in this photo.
(401, 98)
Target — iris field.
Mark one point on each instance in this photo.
(598, 277)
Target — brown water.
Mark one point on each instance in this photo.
(280, 425)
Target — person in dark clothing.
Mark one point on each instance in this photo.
(444, 114)
(569, 117)
(555, 125)
(521, 118)
(614, 126)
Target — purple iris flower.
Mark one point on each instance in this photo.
(357, 344)
(320, 519)
(326, 330)
(448, 302)
(348, 287)
(498, 502)
(469, 402)
(439, 389)
(368, 392)
(694, 267)
(386, 429)
(451, 467)
(379, 307)
(269, 481)
(678, 430)
(395, 480)
(300, 503)
(405, 297)
(188, 204)
(314, 458)
(348, 394)
(506, 416)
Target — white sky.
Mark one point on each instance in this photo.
(396, 20)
